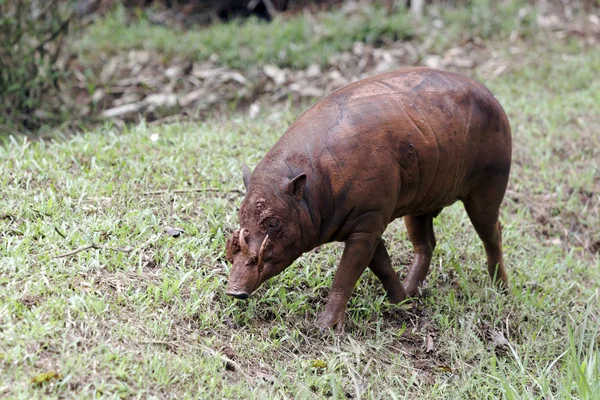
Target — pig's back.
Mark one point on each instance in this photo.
(415, 138)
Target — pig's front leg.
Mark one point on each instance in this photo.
(358, 252)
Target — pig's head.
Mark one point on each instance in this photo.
(270, 234)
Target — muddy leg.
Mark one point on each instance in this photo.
(381, 265)
(420, 233)
(482, 206)
(357, 254)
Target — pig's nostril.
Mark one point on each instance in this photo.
(238, 295)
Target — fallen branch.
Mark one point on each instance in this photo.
(96, 247)
(196, 190)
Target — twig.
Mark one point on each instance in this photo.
(193, 191)
(70, 253)
(227, 360)
(176, 344)
(163, 342)
(63, 27)
(128, 249)
(150, 241)
(40, 212)
(62, 235)
(96, 247)
(170, 118)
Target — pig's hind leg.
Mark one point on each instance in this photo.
(381, 265)
(420, 233)
(482, 206)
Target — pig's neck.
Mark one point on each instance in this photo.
(286, 164)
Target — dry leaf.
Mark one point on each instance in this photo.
(229, 366)
(196, 95)
(254, 110)
(443, 368)
(122, 110)
(313, 71)
(161, 99)
(174, 232)
(275, 73)
(429, 342)
(498, 339)
(46, 376)
(204, 72)
(266, 376)
(228, 352)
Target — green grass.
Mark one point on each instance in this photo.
(298, 41)
(486, 19)
(154, 322)
(301, 40)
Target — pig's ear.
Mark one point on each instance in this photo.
(295, 187)
(246, 171)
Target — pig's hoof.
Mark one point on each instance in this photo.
(330, 321)
(412, 289)
(502, 287)
(396, 298)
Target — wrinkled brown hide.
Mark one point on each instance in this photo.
(402, 144)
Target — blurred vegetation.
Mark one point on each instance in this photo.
(32, 38)
(295, 42)
(487, 19)
(302, 39)
(39, 54)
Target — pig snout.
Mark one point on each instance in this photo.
(242, 279)
(237, 295)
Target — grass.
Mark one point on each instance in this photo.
(302, 40)
(296, 42)
(154, 321)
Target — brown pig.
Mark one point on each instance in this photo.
(402, 144)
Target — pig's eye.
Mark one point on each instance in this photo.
(272, 223)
